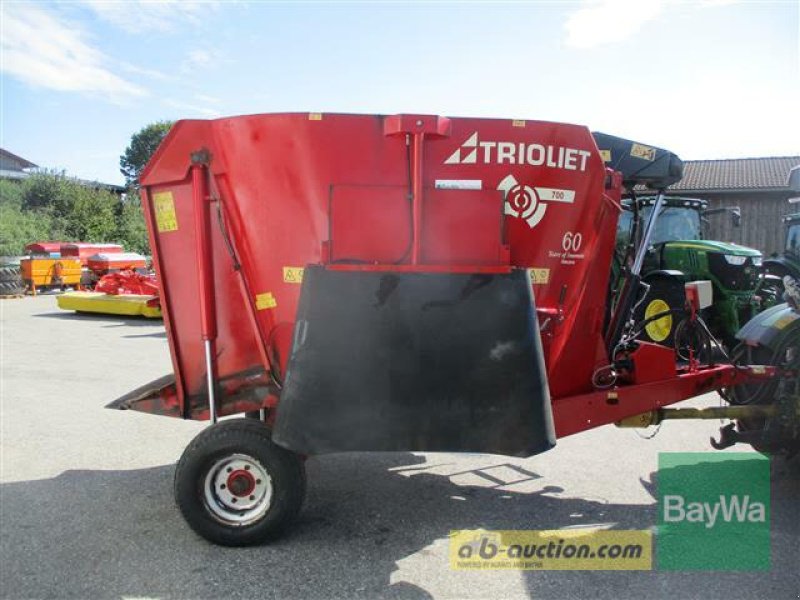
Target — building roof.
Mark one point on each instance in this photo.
(23, 164)
(737, 174)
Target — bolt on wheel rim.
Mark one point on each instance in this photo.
(237, 490)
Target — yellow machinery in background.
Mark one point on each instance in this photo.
(45, 272)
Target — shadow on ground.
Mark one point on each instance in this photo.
(113, 320)
(114, 534)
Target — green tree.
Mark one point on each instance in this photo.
(131, 230)
(92, 215)
(19, 227)
(143, 144)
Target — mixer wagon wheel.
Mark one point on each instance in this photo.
(235, 487)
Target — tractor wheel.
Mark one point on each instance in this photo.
(754, 393)
(235, 487)
(11, 281)
(664, 295)
(784, 431)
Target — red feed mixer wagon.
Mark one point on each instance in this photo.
(414, 283)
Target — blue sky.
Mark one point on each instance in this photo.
(706, 79)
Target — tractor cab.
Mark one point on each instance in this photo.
(678, 252)
(777, 266)
(680, 237)
(792, 235)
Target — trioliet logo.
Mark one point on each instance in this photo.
(474, 151)
(530, 203)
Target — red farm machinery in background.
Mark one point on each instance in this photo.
(415, 283)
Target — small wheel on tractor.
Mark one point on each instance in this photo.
(235, 487)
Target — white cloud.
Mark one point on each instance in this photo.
(141, 16)
(200, 58)
(151, 73)
(599, 22)
(192, 108)
(42, 51)
(208, 99)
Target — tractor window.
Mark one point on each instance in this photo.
(675, 223)
(624, 228)
(793, 239)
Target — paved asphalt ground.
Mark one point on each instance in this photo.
(86, 507)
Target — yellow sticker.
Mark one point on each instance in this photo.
(517, 123)
(265, 301)
(784, 321)
(292, 274)
(605, 155)
(539, 276)
(315, 116)
(164, 207)
(642, 151)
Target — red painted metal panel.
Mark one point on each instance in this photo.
(43, 247)
(447, 214)
(369, 224)
(290, 183)
(85, 250)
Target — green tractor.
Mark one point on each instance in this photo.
(678, 253)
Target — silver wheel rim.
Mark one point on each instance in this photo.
(237, 490)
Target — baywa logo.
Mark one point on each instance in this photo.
(728, 508)
(530, 203)
(713, 511)
(475, 151)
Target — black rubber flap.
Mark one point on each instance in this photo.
(415, 362)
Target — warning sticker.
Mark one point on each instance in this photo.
(784, 321)
(265, 301)
(164, 207)
(315, 116)
(292, 274)
(605, 155)
(539, 276)
(642, 151)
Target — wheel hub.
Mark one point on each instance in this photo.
(237, 490)
(241, 483)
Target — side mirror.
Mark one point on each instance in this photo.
(736, 216)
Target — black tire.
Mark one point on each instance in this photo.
(664, 294)
(229, 447)
(761, 392)
(10, 274)
(764, 393)
(11, 288)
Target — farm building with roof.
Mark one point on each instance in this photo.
(756, 185)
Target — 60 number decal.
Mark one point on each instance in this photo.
(571, 242)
